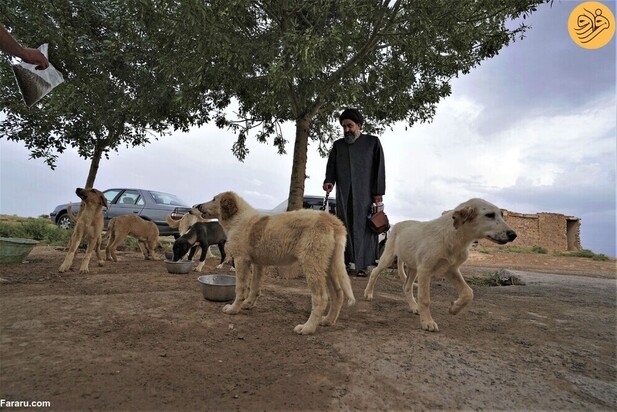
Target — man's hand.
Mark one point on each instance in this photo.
(328, 187)
(34, 56)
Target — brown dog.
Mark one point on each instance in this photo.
(183, 225)
(314, 239)
(89, 223)
(146, 233)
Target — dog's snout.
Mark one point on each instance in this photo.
(511, 235)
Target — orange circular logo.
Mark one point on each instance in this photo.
(591, 25)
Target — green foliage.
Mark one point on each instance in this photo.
(115, 92)
(134, 66)
(585, 253)
(40, 229)
(528, 249)
(539, 249)
(393, 59)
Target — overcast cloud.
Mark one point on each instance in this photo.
(532, 130)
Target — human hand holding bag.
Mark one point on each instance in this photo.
(377, 219)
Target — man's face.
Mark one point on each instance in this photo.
(350, 129)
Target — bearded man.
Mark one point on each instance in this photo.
(356, 167)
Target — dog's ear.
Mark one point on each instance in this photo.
(466, 214)
(228, 206)
(103, 199)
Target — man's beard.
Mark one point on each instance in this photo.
(350, 137)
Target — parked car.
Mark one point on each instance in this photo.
(149, 204)
(309, 202)
(317, 203)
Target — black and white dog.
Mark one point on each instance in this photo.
(204, 234)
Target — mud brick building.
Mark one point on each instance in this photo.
(552, 231)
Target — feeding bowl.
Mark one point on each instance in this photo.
(181, 267)
(169, 255)
(15, 250)
(218, 288)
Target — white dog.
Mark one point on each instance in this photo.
(314, 239)
(438, 248)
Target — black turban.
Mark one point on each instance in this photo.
(351, 114)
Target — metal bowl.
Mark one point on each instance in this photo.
(218, 288)
(181, 267)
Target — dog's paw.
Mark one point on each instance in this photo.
(230, 309)
(458, 305)
(220, 266)
(368, 295)
(413, 308)
(304, 329)
(84, 271)
(325, 321)
(62, 269)
(430, 326)
(101, 263)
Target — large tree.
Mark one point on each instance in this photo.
(112, 54)
(135, 66)
(302, 61)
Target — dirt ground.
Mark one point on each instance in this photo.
(130, 336)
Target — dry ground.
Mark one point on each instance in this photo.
(130, 336)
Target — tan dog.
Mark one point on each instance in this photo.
(88, 223)
(146, 233)
(314, 239)
(438, 248)
(184, 224)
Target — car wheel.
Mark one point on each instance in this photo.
(64, 222)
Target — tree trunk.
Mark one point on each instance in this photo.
(298, 169)
(94, 164)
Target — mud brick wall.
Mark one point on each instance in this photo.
(552, 231)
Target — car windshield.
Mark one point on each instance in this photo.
(167, 199)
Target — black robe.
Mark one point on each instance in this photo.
(358, 172)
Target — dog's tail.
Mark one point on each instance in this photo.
(110, 229)
(69, 213)
(174, 224)
(338, 267)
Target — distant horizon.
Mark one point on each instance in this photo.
(46, 216)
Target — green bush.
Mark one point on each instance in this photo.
(539, 249)
(39, 229)
(528, 249)
(585, 253)
(43, 230)
(601, 257)
(12, 230)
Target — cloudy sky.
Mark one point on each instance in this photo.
(531, 130)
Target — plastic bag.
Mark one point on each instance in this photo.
(35, 84)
